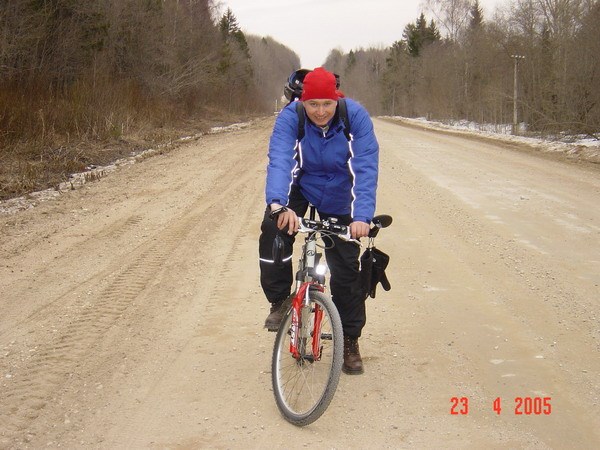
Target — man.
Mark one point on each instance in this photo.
(338, 175)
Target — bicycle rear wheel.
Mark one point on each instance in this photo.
(304, 385)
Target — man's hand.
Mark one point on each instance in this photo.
(287, 219)
(359, 229)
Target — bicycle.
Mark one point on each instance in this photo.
(309, 345)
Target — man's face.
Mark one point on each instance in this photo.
(320, 111)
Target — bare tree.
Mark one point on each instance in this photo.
(451, 15)
(361, 74)
(584, 75)
(272, 64)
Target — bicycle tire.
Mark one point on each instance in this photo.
(303, 388)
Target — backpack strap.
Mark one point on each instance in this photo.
(342, 111)
(301, 119)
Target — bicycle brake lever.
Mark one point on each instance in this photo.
(303, 228)
(348, 238)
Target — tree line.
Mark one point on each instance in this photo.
(77, 75)
(460, 65)
(94, 67)
(78, 78)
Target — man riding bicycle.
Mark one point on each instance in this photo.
(335, 170)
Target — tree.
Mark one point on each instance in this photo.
(395, 79)
(335, 61)
(584, 78)
(419, 35)
(235, 65)
(231, 30)
(272, 64)
(350, 62)
(476, 17)
(362, 82)
(452, 15)
(476, 48)
(544, 31)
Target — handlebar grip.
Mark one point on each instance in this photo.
(379, 222)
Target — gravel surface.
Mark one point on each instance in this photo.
(132, 312)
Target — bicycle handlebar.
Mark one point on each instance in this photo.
(342, 231)
(329, 227)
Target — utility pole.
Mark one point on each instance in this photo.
(515, 124)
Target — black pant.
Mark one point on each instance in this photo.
(342, 259)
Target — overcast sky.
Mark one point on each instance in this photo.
(312, 28)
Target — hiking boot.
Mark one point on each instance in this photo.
(352, 361)
(278, 310)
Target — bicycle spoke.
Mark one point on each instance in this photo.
(304, 387)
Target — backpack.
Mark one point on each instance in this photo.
(342, 110)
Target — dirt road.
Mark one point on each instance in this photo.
(131, 311)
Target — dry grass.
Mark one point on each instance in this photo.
(49, 132)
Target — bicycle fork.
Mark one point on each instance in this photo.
(301, 334)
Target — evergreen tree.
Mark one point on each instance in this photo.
(476, 13)
(350, 61)
(432, 34)
(418, 35)
(235, 65)
(395, 77)
(228, 24)
(230, 30)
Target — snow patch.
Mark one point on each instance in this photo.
(93, 173)
(574, 146)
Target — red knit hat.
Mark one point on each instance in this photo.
(319, 84)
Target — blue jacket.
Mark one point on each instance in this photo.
(337, 176)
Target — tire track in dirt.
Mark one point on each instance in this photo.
(25, 396)
(33, 381)
(217, 333)
(185, 363)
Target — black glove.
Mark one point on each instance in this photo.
(380, 263)
(373, 264)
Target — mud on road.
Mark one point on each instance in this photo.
(132, 313)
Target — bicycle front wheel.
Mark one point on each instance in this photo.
(304, 384)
